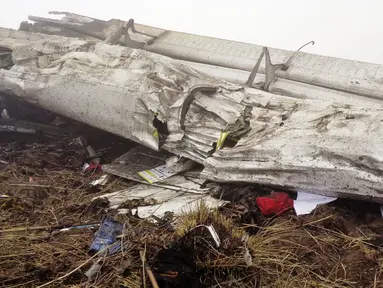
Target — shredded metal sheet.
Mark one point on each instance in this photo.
(307, 145)
(320, 147)
(137, 159)
(177, 195)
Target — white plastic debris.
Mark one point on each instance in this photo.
(93, 270)
(89, 226)
(101, 181)
(214, 234)
(5, 115)
(248, 257)
(85, 166)
(307, 202)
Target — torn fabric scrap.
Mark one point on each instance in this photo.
(276, 204)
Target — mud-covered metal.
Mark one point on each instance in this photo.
(305, 145)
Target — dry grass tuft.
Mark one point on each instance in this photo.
(289, 252)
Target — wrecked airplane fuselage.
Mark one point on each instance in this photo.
(315, 146)
(119, 89)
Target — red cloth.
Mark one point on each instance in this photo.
(276, 203)
(94, 167)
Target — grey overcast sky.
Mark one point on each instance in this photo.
(341, 28)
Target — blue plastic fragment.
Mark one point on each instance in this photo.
(106, 236)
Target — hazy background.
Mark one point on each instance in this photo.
(341, 28)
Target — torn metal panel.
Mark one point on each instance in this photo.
(143, 164)
(176, 195)
(201, 122)
(72, 77)
(328, 149)
(135, 160)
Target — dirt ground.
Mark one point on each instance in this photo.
(337, 245)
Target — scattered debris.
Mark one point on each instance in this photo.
(176, 194)
(191, 257)
(4, 114)
(306, 202)
(90, 151)
(85, 167)
(93, 167)
(212, 232)
(189, 112)
(215, 236)
(106, 236)
(157, 174)
(93, 271)
(248, 257)
(101, 181)
(179, 228)
(179, 164)
(139, 158)
(276, 204)
(90, 226)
